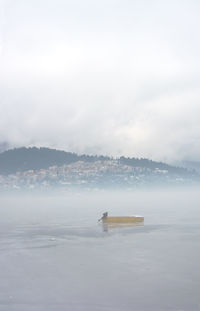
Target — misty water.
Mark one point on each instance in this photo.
(55, 256)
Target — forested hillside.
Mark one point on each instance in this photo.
(23, 159)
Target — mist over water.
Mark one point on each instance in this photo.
(55, 256)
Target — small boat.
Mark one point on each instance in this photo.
(121, 219)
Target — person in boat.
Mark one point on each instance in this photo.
(105, 215)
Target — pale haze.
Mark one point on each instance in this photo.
(101, 77)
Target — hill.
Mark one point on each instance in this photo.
(23, 159)
(191, 165)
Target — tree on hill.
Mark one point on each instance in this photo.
(23, 159)
(152, 165)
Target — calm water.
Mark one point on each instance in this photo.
(54, 256)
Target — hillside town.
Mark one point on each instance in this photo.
(97, 174)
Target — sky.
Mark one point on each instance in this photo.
(112, 77)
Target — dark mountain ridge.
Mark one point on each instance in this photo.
(23, 159)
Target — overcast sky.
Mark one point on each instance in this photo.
(113, 77)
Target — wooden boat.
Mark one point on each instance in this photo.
(121, 219)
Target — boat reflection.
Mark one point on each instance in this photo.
(110, 226)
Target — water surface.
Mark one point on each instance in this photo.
(55, 256)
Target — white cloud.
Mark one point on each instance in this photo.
(112, 77)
